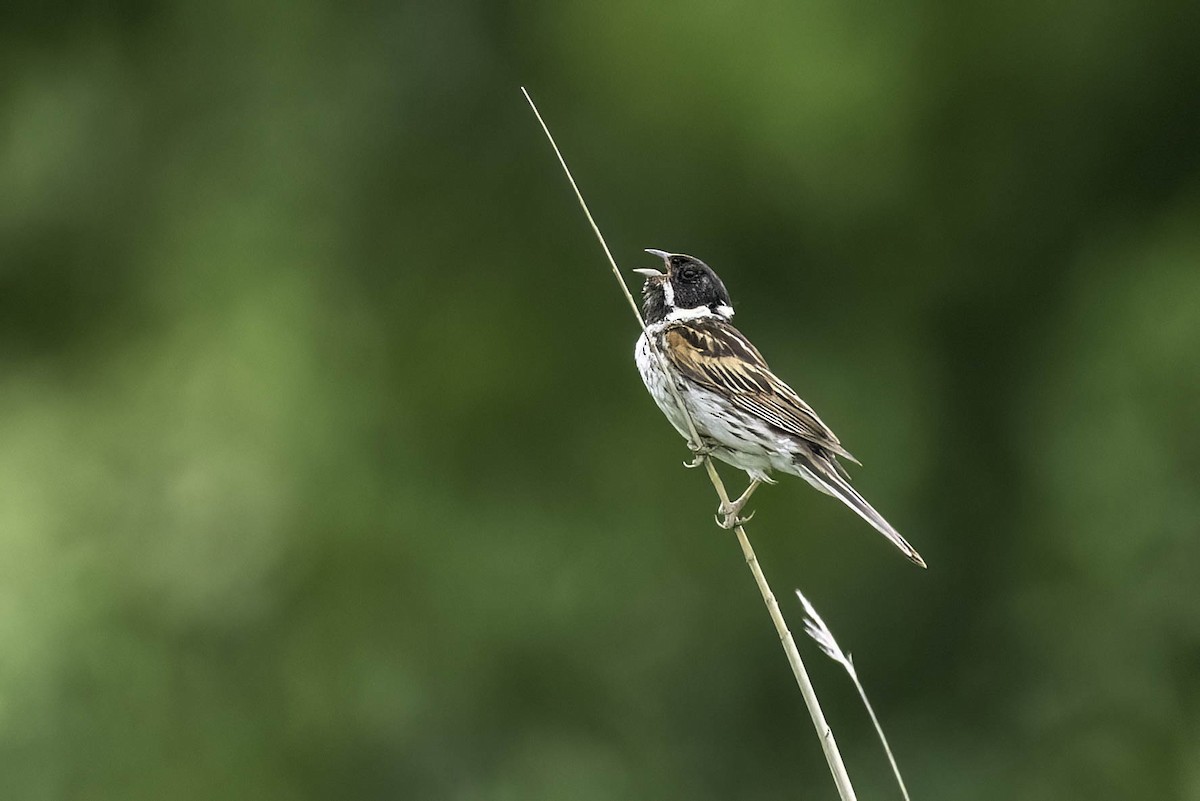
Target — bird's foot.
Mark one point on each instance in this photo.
(728, 516)
(728, 511)
(699, 454)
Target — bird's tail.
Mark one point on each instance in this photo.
(830, 482)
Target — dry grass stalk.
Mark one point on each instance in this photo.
(814, 626)
(828, 744)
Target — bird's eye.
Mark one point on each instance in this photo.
(689, 273)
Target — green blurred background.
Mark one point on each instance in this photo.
(325, 471)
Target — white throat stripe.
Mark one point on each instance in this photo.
(668, 293)
(698, 313)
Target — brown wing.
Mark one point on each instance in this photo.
(715, 355)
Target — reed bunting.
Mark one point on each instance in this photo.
(745, 415)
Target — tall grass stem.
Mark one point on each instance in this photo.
(828, 744)
(814, 626)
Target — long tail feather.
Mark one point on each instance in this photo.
(830, 482)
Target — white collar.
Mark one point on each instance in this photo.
(699, 313)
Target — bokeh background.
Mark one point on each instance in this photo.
(325, 471)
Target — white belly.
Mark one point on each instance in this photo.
(736, 438)
(655, 379)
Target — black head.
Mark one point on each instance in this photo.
(688, 283)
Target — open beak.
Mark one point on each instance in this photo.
(649, 271)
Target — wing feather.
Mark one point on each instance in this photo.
(715, 355)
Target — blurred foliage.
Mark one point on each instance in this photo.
(325, 471)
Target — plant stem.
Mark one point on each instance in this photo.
(828, 744)
(887, 749)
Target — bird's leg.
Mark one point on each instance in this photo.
(699, 454)
(727, 513)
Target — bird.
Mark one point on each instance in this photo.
(744, 414)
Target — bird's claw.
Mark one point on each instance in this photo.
(699, 454)
(728, 514)
(731, 520)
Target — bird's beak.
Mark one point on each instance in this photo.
(651, 272)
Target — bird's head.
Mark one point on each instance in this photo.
(688, 285)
